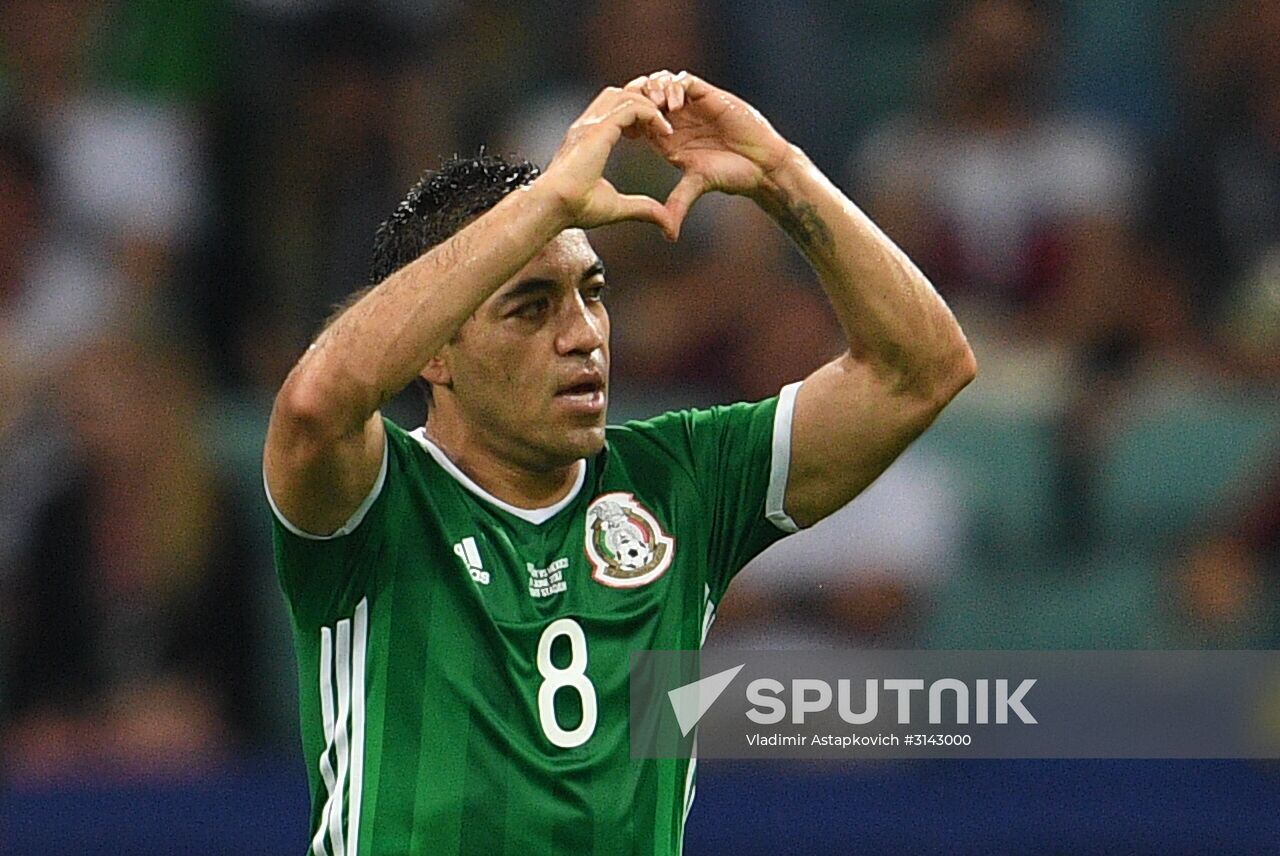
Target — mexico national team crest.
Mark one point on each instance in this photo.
(625, 544)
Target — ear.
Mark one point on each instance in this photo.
(437, 371)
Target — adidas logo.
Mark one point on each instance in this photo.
(470, 556)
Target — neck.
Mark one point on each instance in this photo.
(514, 483)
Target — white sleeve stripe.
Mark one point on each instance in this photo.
(343, 654)
(326, 709)
(781, 461)
(359, 641)
(342, 658)
(353, 521)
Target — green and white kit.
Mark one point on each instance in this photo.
(464, 663)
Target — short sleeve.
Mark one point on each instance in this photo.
(738, 456)
(327, 575)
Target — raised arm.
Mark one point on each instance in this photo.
(907, 356)
(325, 440)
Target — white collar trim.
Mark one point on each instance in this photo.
(535, 516)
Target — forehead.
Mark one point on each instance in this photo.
(568, 254)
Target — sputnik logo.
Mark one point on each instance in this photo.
(691, 701)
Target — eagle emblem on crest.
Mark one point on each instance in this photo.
(624, 542)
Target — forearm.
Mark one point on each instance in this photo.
(891, 314)
(379, 345)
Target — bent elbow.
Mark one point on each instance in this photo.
(961, 369)
(300, 402)
(306, 408)
(965, 368)
(949, 377)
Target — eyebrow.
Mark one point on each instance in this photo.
(539, 285)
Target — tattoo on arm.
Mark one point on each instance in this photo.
(800, 220)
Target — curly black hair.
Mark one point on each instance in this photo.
(442, 202)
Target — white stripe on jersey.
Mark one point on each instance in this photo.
(690, 786)
(708, 616)
(326, 712)
(343, 667)
(357, 724)
(343, 731)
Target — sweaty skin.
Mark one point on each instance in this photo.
(907, 356)
(520, 398)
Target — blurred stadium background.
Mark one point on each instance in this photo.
(186, 187)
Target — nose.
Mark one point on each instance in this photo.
(583, 331)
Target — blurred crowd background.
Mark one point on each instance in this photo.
(186, 188)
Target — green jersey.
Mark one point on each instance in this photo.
(464, 663)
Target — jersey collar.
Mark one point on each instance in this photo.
(535, 516)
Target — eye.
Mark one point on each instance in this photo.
(595, 292)
(533, 309)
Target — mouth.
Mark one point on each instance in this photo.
(584, 393)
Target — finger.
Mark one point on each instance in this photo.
(608, 99)
(637, 85)
(638, 111)
(653, 89)
(643, 123)
(694, 87)
(682, 197)
(646, 126)
(605, 97)
(675, 100)
(655, 121)
(645, 209)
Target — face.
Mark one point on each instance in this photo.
(997, 45)
(528, 374)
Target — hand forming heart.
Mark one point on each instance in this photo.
(716, 139)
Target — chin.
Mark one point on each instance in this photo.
(583, 442)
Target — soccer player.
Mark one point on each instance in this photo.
(465, 596)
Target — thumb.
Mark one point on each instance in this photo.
(634, 206)
(682, 197)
